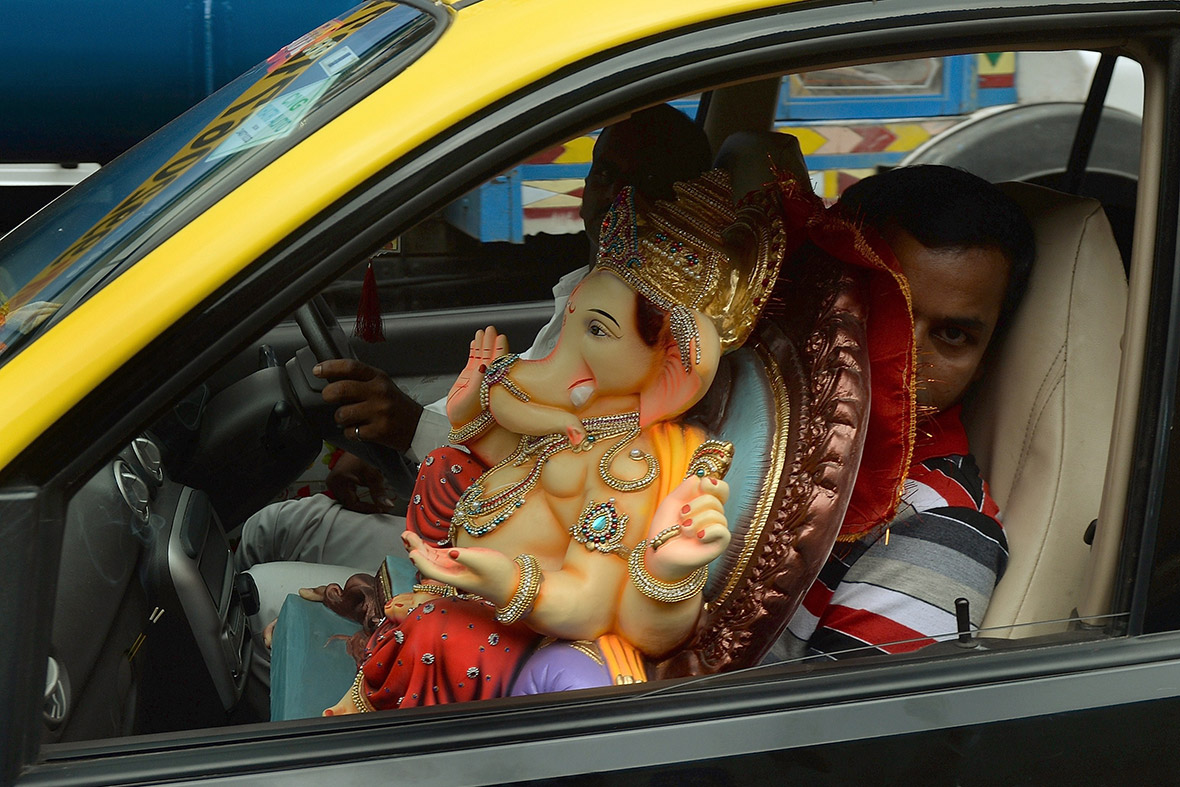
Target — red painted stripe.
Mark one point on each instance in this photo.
(873, 139)
(570, 213)
(997, 80)
(546, 156)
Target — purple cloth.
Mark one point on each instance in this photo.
(559, 667)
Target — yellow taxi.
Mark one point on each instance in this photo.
(156, 392)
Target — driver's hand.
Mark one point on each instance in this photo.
(373, 409)
(268, 634)
(348, 476)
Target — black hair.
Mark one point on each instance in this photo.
(947, 208)
(683, 149)
(651, 320)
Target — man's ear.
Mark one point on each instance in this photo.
(673, 389)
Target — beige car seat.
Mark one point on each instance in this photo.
(1040, 419)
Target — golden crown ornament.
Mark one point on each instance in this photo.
(698, 253)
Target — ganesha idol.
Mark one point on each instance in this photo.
(595, 511)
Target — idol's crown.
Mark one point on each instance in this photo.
(699, 253)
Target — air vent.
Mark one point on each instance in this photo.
(133, 488)
(148, 454)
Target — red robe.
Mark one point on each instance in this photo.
(450, 649)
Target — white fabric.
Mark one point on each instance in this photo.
(317, 529)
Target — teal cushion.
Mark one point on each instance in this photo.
(309, 671)
(750, 422)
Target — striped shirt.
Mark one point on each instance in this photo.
(896, 593)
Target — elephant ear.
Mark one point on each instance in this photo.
(673, 389)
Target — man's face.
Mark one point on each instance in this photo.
(612, 167)
(957, 294)
(623, 156)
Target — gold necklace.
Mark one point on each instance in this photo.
(479, 515)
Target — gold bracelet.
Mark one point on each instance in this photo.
(712, 458)
(360, 700)
(657, 589)
(472, 429)
(437, 588)
(527, 589)
(497, 374)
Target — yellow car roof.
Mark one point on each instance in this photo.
(469, 68)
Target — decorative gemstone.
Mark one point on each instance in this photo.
(473, 672)
(427, 658)
(636, 453)
(429, 459)
(456, 469)
(493, 638)
(399, 636)
(599, 523)
(417, 499)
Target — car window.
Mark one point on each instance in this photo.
(851, 122)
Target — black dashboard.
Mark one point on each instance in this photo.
(149, 631)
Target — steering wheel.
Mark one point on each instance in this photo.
(328, 341)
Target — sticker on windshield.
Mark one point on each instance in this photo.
(339, 59)
(273, 120)
(308, 41)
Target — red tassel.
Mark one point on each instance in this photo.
(368, 314)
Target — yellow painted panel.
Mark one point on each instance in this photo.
(909, 136)
(996, 63)
(810, 140)
(577, 151)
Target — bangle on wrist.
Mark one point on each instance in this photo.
(657, 589)
(472, 429)
(526, 592)
(437, 588)
(358, 698)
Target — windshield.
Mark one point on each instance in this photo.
(58, 258)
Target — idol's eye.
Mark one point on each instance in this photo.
(597, 329)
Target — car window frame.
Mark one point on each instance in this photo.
(609, 82)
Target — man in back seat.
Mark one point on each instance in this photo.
(966, 250)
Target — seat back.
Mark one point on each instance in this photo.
(1040, 418)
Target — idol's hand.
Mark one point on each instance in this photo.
(463, 400)
(484, 572)
(689, 528)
